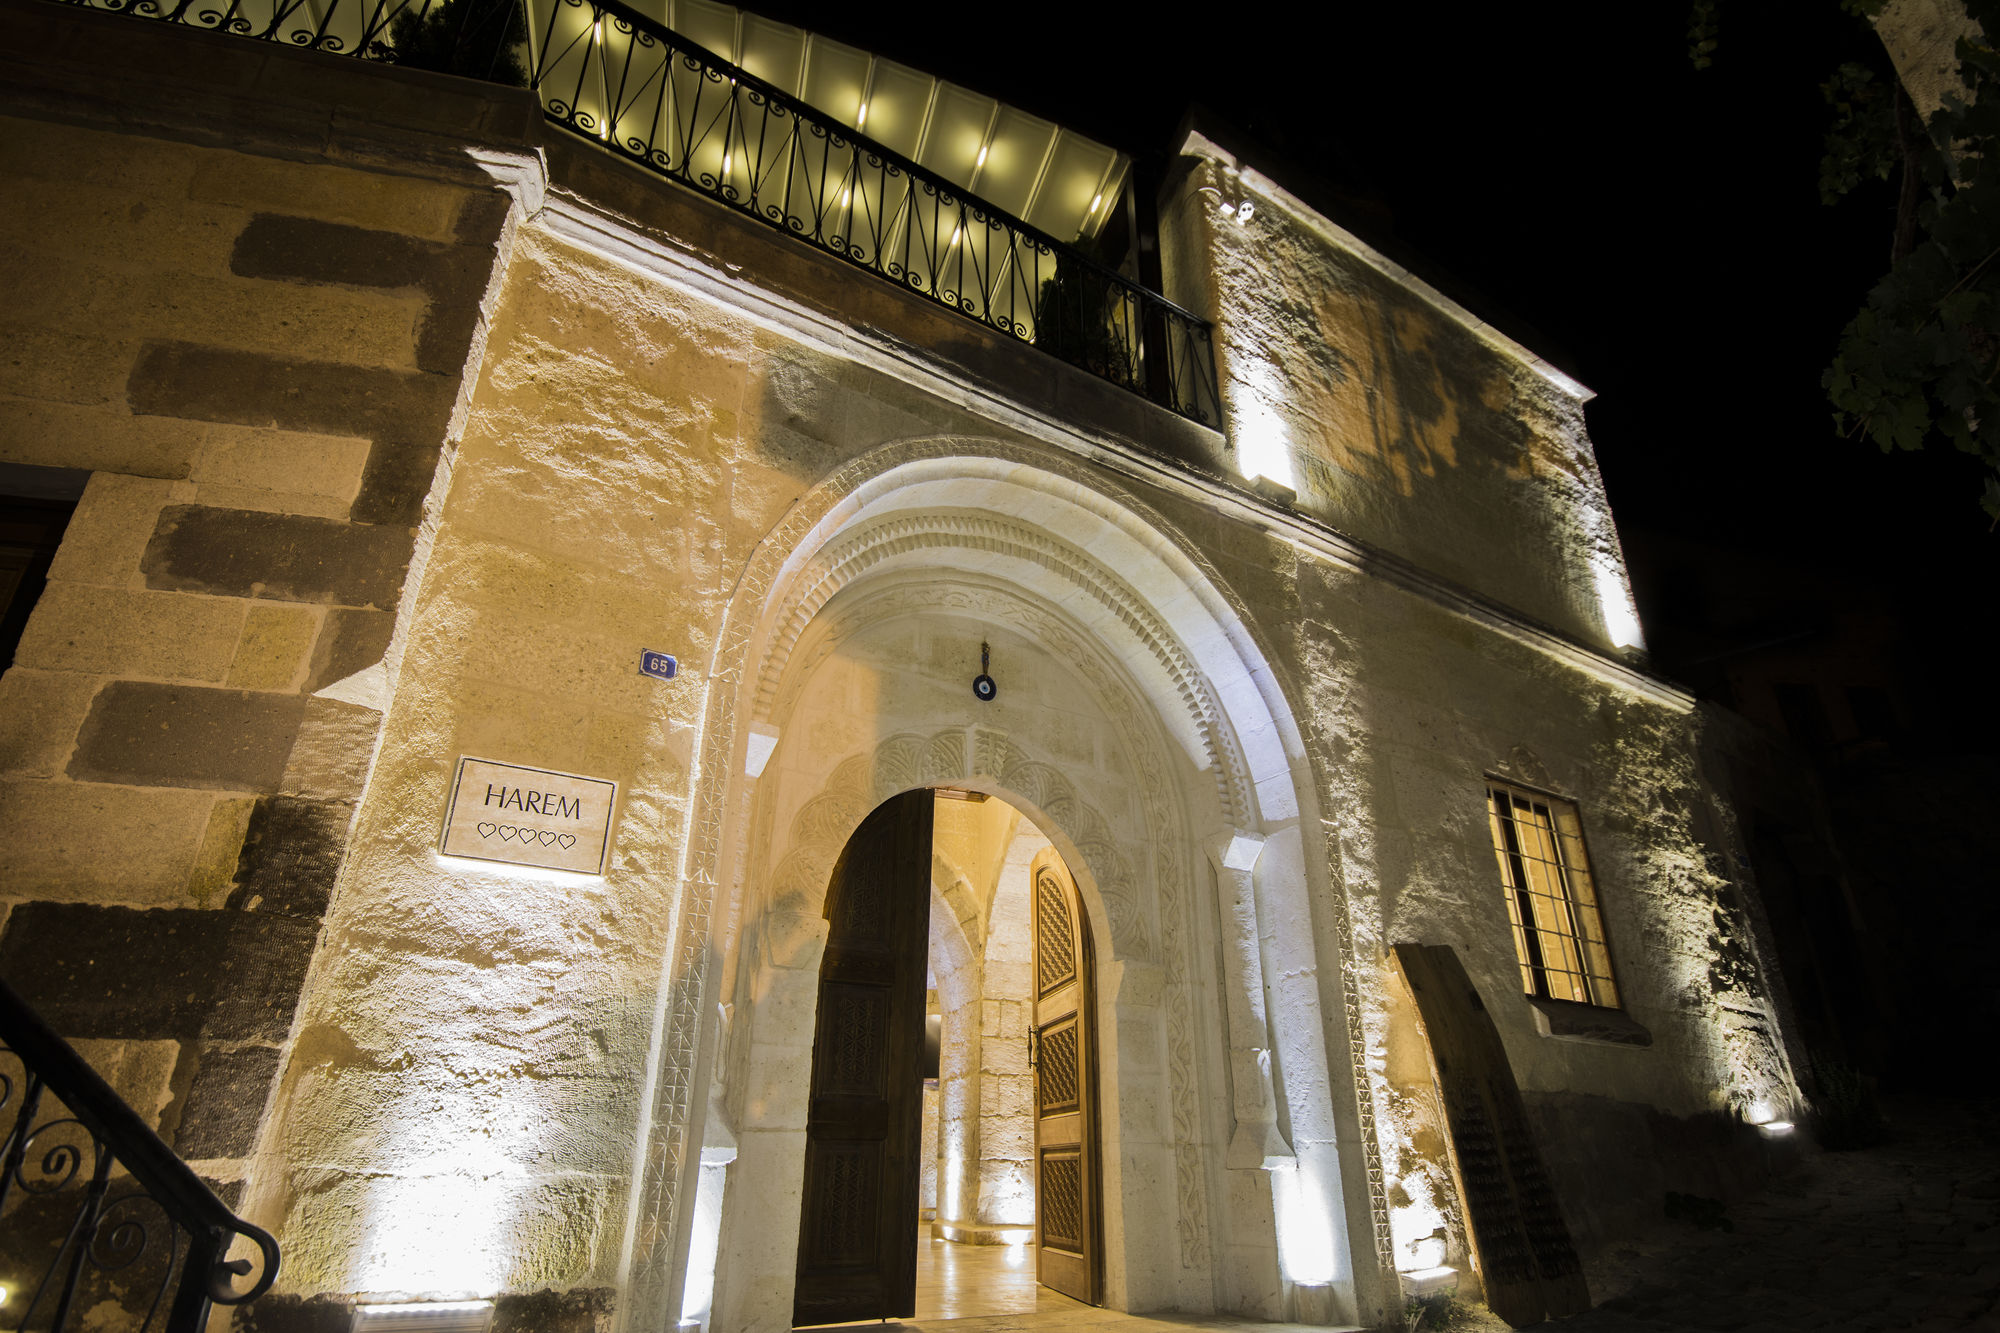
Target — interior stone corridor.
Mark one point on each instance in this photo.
(992, 1289)
(957, 1281)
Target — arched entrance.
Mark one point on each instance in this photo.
(1139, 727)
(859, 1242)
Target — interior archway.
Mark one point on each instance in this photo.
(977, 1227)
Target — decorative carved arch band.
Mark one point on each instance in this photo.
(899, 763)
(807, 552)
(1131, 922)
(853, 554)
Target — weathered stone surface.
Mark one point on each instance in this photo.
(96, 218)
(398, 477)
(404, 413)
(64, 366)
(115, 631)
(103, 439)
(283, 1312)
(108, 533)
(40, 712)
(315, 189)
(630, 446)
(586, 1311)
(293, 557)
(284, 470)
(349, 641)
(187, 736)
(356, 327)
(141, 1072)
(1585, 1022)
(226, 1102)
(273, 647)
(73, 841)
(73, 154)
(221, 846)
(147, 975)
(330, 758)
(308, 249)
(290, 857)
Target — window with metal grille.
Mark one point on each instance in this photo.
(1551, 900)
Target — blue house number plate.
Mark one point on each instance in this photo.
(661, 666)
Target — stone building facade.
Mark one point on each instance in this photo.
(398, 426)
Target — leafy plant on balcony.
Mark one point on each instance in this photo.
(1077, 316)
(475, 39)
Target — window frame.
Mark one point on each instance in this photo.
(1523, 931)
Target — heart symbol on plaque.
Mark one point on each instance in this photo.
(568, 840)
(486, 830)
(507, 832)
(546, 837)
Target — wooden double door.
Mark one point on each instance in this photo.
(858, 1216)
(1062, 1052)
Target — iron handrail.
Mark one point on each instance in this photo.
(106, 1234)
(736, 74)
(609, 74)
(612, 75)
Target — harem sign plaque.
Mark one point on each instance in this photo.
(528, 817)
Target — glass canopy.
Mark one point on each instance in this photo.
(1052, 178)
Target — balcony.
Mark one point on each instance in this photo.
(634, 87)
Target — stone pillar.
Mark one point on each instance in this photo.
(1255, 1143)
(1006, 1124)
(958, 1093)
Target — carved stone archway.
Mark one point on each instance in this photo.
(792, 929)
(1214, 693)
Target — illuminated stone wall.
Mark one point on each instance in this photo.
(1256, 731)
(1419, 432)
(1397, 416)
(985, 1137)
(247, 359)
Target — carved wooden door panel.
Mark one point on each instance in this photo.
(1063, 1049)
(1526, 1259)
(858, 1218)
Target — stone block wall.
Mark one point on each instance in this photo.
(255, 355)
(1396, 416)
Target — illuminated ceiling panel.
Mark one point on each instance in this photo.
(1058, 180)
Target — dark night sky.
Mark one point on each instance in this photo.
(1654, 228)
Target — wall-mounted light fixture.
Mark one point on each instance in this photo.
(424, 1317)
(1242, 210)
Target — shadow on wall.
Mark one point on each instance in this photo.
(1614, 1163)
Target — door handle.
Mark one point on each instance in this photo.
(1034, 1046)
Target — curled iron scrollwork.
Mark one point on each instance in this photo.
(121, 1228)
(221, 1287)
(58, 1163)
(120, 1241)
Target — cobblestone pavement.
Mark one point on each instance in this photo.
(1905, 1236)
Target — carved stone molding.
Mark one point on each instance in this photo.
(1128, 910)
(854, 553)
(820, 829)
(656, 1215)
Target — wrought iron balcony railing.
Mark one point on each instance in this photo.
(629, 84)
(95, 1209)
